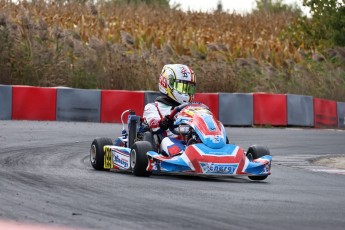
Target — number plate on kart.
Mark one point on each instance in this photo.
(108, 162)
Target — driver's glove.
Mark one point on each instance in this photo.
(166, 122)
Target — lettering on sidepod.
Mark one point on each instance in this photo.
(218, 168)
(121, 161)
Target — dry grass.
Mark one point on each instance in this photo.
(120, 47)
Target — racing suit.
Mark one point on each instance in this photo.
(154, 114)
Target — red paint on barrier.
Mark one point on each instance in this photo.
(209, 99)
(270, 109)
(325, 113)
(33, 103)
(114, 102)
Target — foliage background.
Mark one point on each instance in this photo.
(124, 45)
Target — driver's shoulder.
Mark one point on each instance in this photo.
(163, 105)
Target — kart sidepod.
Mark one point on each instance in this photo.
(230, 160)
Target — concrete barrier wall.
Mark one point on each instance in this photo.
(114, 102)
(233, 109)
(33, 103)
(236, 109)
(270, 109)
(5, 102)
(150, 96)
(325, 113)
(341, 114)
(300, 110)
(209, 99)
(78, 105)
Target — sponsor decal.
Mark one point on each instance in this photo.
(153, 165)
(154, 123)
(216, 139)
(267, 168)
(122, 161)
(184, 72)
(163, 81)
(218, 168)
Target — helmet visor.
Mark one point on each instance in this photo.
(184, 87)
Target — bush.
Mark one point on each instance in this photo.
(325, 29)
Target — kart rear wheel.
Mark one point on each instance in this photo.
(148, 136)
(132, 133)
(139, 160)
(255, 152)
(97, 152)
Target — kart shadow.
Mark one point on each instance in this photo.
(196, 178)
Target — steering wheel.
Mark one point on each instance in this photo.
(182, 106)
(178, 109)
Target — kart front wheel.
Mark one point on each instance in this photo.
(139, 160)
(97, 152)
(255, 152)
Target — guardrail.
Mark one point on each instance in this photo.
(232, 109)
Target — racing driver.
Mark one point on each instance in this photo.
(177, 84)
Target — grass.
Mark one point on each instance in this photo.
(109, 46)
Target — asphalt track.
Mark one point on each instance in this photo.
(46, 178)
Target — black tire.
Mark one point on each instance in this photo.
(148, 136)
(139, 159)
(97, 152)
(132, 133)
(255, 152)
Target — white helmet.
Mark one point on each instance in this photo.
(178, 82)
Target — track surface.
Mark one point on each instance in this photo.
(46, 178)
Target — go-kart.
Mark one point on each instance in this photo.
(201, 148)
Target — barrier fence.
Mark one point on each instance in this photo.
(341, 114)
(270, 109)
(325, 113)
(5, 102)
(232, 109)
(33, 103)
(78, 105)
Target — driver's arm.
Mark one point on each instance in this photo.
(154, 119)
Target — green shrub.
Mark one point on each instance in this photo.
(325, 29)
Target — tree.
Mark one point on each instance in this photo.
(219, 7)
(324, 29)
(328, 21)
(276, 6)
